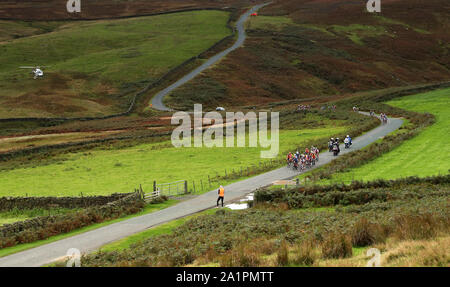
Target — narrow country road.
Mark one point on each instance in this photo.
(157, 101)
(92, 240)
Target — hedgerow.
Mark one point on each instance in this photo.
(357, 193)
(43, 227)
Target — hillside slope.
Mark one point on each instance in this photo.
(302, 49)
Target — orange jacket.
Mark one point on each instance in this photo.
(221, 191)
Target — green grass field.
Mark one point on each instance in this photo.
(425, 155)
(96, 65)
(121, 170)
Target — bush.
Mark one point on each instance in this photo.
(337, 245)
(283, 254)
(356, 193)
(159, 199)
(416, 227)
(363, 233)
(240, 257)
(305, 253)
(26, 203)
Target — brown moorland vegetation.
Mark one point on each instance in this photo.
(270, 235)
(99, 9)
(301, 49)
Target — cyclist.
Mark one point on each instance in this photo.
(330, 144)
(289, 158)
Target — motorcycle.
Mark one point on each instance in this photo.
(335, 150)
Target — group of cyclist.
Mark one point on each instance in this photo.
(303, 108)
(383, 117)
(301, 161)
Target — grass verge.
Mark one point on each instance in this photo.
(148, 209)
(423, 155)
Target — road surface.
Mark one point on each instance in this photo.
(157, 101)
(92, 240)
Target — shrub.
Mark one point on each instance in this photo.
(337, 245)
(28, 203)
(363, 233)
(240, 257)
(416, 227)
(283, 254)
(159, 199)
(305, 253)
(355, 193)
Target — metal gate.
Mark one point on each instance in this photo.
(172, 188)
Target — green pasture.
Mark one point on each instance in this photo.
(424, 155)
(93, 64)
(122, 170)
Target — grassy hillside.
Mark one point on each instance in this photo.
(302, 49)
(424, 155)
(96, 66)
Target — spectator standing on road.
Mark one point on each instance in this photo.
(221, 193)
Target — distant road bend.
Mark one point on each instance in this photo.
(157, 101)
(94, 239)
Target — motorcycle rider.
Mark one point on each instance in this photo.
(336, 143)
(348, 141)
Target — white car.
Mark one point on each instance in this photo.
(220, 109)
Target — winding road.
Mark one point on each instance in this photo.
(92, 240)
(157, 101)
